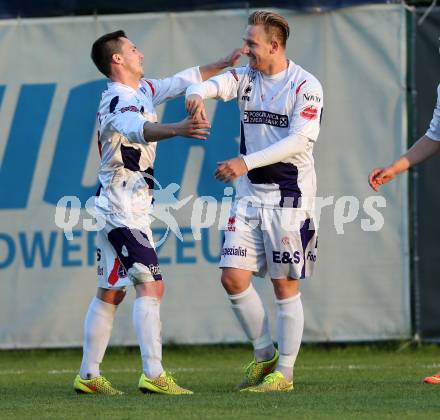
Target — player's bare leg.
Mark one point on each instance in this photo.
(112, 296)
(290, 324)
(235, 280)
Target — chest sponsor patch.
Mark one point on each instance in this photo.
(265, 117)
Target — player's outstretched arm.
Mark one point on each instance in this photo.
(173, 86)
(209, 70)
(188, 127)
(423, 149)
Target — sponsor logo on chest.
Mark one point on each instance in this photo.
(265, 117)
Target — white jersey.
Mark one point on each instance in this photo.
(272, 108)
(434, 128)
(126, 170)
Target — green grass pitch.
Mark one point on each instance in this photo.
(366, 382)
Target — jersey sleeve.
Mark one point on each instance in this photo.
(434, 128)
(126, 118)
(307, 111)
(228, 83)
(171, 87)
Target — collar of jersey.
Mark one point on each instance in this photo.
(278, 76)
(121, 86)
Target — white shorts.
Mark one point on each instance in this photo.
(282, 242)
(125, 255)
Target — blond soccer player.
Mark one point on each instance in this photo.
(280, 113)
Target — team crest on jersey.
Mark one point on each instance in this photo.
(247, 91)
(309, 112)
(285, 240)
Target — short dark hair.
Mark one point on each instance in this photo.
(103, 49)
(273, 23)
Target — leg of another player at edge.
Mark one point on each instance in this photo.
(249, 311)
(146, 321)
(98, 326)
(290, 323)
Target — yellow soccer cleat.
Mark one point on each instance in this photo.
(98, 385)
(256, 371)
(163, 384)
(274, 382)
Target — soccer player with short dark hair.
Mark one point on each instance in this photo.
(128, 135)
(272, 224)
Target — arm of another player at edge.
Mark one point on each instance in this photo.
(422, 150)
(209, 70)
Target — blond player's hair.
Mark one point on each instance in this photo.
(274, 24)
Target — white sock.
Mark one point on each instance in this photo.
(290, 325)
(251, 315)
(97, 329)
(146, 320)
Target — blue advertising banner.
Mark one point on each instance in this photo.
(49, 94)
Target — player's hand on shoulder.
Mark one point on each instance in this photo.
(230, 169)
(193, 128)
(380, 176)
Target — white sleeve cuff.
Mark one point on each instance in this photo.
(205, 90)
(277, 152)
